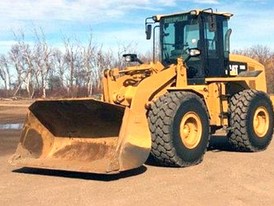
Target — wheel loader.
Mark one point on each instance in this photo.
(168, 108)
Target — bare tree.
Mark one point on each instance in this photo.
(5, 72)
(70, 56)
(259, 52)
(58, 70)
(21, 59)
(88, 55)
(42, 56)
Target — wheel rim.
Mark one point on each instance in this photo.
(191, 130)
(261, 122)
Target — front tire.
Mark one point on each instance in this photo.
(179, 126)
(251, 121)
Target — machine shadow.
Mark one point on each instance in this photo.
(82, 175)
(219, 143)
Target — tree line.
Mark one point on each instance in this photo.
(39, 70)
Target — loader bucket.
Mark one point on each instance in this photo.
(82, 135)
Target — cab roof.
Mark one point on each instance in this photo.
(196, 12)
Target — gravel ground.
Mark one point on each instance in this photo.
(223, 178)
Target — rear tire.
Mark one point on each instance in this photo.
(179, 126)
(251, 121)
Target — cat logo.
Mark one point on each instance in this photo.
(235, 68)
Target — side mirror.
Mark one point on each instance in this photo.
(132, 58)
(194, 52)
(148, 31)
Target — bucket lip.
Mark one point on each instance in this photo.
(42, 164)
(75, 100)
(69, 99)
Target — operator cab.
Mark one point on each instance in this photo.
(205, 31)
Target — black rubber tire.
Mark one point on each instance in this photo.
(164, 122)
(243, 106)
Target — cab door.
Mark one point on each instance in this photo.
(215, 62)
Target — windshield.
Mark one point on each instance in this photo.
(178, 34)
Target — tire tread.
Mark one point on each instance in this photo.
(239, 107)
(162, 109)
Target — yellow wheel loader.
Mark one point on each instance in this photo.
(168, 108)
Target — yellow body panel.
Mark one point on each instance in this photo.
(259, 83)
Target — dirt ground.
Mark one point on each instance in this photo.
(224, 178)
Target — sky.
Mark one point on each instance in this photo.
(113, 23)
